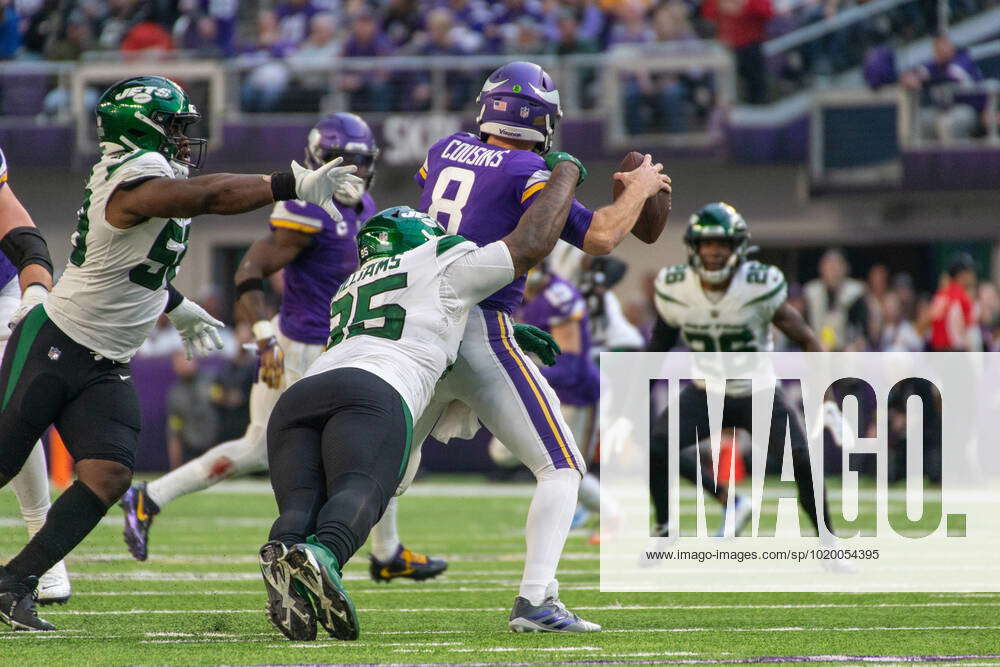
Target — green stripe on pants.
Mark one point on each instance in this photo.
(33, 321)
(409, 436)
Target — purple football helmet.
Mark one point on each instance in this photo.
(343, 135)
(520, 101)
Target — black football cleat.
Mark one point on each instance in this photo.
(17, 604)
(408, 564)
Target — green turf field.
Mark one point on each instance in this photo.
(199, 600)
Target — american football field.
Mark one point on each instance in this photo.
(198, 600)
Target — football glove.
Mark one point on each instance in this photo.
(318, 186)
(533, 339)
(33, 295)
(555, 157)
(199, 331)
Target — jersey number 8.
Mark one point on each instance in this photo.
(465, 178)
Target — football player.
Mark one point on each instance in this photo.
(344, 439)
(67, 362)
(722, 301)
(479, 186)
(26, 278)
(316, 252)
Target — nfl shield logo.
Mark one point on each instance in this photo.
(54, 353)
(525, 112)
(383, 238)
(499, 105)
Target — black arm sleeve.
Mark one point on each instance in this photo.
(24, 246)
(174, 298)
(664, 337)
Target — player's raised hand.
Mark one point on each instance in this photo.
(199, 331)
(271, 362)
(648, 178)
(318, 186)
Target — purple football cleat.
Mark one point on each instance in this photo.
(139, 512)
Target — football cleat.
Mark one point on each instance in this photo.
(315, 567)
(288, 606)
(139, 512)
(550, 616)
(53, 586)
(742, 513)
(406, 563)
(17, 604)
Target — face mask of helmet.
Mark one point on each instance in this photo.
(186, 151)
(720, 275)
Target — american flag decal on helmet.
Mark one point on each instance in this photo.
(499, 105)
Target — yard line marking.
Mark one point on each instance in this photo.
(354, 591)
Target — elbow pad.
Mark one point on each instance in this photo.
(24, 246)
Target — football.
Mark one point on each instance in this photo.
(653, 217)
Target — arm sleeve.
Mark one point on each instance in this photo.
(297, 216)
(474, 273)
(3, 169)
(579, 218)
(663, 338)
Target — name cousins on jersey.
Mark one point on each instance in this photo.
(477, 156)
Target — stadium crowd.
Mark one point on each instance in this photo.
(269, 36)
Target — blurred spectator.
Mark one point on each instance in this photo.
(264, 87)
(946, 114)
(147, 39)
(954, 316)
(570, 40)
(192, 425)
(322, 43)
(988, 300)
(835, 307)
(741, 26)
(528, 39)
(293, 19)
(400, 19)
(368, 90)
(121, 15)
(440, 41)
(73, 40)
(206, 27)
(231, 388)
(590, 20)
(10, 33)
(897, 333)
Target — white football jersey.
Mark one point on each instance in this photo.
(113, 288)
(402, 317)
(738, 322)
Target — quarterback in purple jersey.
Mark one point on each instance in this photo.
(316, 252)
(31, 485)
(478, 186)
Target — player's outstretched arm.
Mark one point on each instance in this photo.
(22, 243)
(790, 322)
(539, 227)
(663, 338)
(613, 222)
(227, 194)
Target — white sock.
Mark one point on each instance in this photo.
(32, 488)
(230, 459)
(590, 493)
(385, 537)
(549, 517)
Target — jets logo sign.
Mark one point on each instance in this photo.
(144, 94)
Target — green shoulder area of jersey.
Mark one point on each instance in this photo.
(446, 243)
(668, 279)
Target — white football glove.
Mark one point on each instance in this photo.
(199, 331)
(33, 295)
(318, 186)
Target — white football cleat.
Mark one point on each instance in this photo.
(54, 586)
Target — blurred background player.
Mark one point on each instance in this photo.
(316, 252)
(479, 186)
(72, 353)
(721, 302)
(26, 278)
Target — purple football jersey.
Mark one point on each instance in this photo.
(312, 278)
(575, 377)
(480, 191)
(7, 269)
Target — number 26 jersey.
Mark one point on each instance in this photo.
(480, 191)
(113, 288)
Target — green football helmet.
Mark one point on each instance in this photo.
(717, 221)
(396, 230)
(150, 113)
